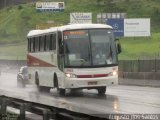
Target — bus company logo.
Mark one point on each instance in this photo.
(115, 26)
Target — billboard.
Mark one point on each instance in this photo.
(118, 26)
(137, 27)
(50, 6)
(80, 18)
(102, 17)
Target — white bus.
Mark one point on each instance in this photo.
(78, 56)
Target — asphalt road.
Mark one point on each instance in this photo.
(118, 99)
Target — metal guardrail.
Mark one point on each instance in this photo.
(47, 112)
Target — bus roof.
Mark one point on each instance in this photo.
(67, 27)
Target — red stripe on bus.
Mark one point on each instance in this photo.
(84, 76)
(35, 62)
(92, 76)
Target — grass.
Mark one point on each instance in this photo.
(16, 21)
(132, 48)
(13, 51)
(136, 48)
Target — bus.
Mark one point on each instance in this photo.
(75, 56)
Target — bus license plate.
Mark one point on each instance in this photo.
(92, 83)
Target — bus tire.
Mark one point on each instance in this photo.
(55, 81)
(60, 90)
(101, 90)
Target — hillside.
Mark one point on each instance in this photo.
(16, 21)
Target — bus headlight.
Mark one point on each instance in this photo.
(70, 75)
(114, 73)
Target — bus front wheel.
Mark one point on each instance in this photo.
(60, 90)
(101, 90)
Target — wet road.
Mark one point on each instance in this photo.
(118, 99)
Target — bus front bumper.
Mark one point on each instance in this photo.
(90, 82)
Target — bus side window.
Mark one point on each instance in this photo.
(47, 42)
(33, 44)
(44, 47)
(42, 38)
(51, 42)
(36, 44)
(39, 39)
(29, 45)
(54, 41)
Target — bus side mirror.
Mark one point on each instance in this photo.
(61, 51)
(118, 45)
(61, 46)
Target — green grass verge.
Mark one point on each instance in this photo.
(140, 47)
(132, 48)
(16, 21)
(13, 52)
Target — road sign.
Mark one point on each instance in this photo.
(49, 6)
(118, 26)
(102, 17)
(137, 27)
(130, 27)
(80, 18)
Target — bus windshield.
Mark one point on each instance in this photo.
(93, 47)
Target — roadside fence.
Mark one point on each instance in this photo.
(139, 65)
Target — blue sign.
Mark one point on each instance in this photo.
(118, 26)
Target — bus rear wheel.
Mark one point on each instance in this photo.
(101, 90)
